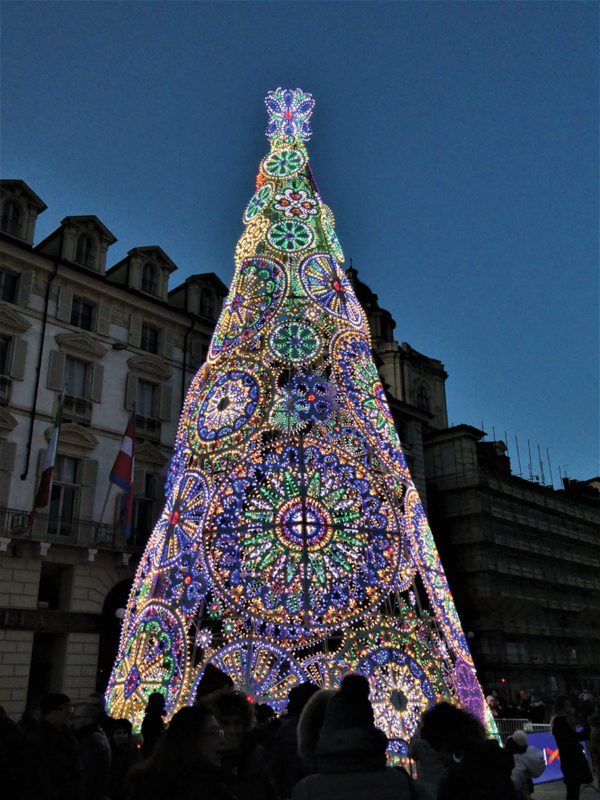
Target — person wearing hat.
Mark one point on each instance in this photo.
(95, 749)
(350, 752)
(529, 763)
(55, 750)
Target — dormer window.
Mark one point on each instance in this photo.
(10, 222)
(422, 398)
(149, 283)
(206, 304)
(84, 254)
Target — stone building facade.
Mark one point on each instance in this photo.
(107, 338)
(523, 562)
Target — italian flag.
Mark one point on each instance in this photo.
(42, 496)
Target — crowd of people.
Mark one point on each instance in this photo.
(325, 747)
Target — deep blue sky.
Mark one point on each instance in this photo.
(457, 144)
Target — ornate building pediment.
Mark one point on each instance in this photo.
(151, 367)
(12, 321)
(149, 454)
(74, 438)
(7, 421)
(80, 344)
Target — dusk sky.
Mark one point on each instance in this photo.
(456, 143)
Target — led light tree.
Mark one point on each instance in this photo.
(293, 544)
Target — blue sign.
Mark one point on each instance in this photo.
(547, 744)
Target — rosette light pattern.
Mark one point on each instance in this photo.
(293, 542)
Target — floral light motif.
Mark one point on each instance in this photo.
(295, 204)
(289, 114)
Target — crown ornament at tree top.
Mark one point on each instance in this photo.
(289, 114)
(293, 544)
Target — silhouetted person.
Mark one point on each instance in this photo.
(185, 763)
(245, 767)
(56, 750)
(477, 768)
(288, 766)
(94, 749)
(351, 752)
(124, 755)
(529, 763)
(563, 727)
(153, 725)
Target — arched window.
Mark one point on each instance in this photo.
(11, 218)
(148, 278)
(84, 253)
(423, 398)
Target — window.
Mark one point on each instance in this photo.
(148, 280)
(146, 410)
(76, 377)
(5, 381)
(63, 499)
(149, 339)
(206, 304)
(82, 314)
(422, 398)
(146, 399)
(8, 286)
(77, 406)
(5, 342)
(143, 510)
(84, 254)
(11, 218)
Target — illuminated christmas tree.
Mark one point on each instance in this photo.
(293, 544)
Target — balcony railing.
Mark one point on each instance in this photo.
(147, 428)
(78, 532)
(78, 409)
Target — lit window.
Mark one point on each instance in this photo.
(8, 286)
(149, 339)
(11, 218)
(84, 253)
(82, 314)
(148, 281)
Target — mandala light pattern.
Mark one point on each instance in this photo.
(293, 544)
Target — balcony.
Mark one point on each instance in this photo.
(75, 532)
(77, 409)
(147, 428)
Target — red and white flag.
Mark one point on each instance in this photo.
(42, 496)
(122, 474)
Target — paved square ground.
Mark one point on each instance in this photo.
(556, 791)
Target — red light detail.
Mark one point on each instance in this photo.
(187, 580)
(174, 517)
(311, 397)
(288, 115)
(338, 287)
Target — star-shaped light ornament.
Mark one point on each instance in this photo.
(289, 114)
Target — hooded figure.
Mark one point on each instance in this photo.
(529, 763)
(350, 752)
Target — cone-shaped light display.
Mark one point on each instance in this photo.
(293, 544)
